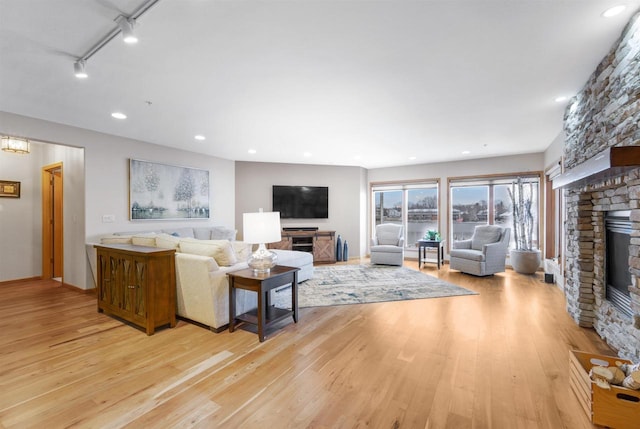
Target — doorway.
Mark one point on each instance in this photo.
(52, 222)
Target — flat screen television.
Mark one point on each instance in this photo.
(301, 202)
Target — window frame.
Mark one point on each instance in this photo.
(491, 180)
(404, 186)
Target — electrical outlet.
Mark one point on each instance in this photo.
(108, 218)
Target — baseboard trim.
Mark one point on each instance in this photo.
(25, 280)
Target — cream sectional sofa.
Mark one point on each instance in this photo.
(204, 256)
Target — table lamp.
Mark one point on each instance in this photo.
(260, 228)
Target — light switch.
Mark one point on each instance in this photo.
(108, 218)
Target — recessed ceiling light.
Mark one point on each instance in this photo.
(560, 99)
(307, 154)
(199, 137)
(357, 157)
(613, 11)
(252, 151)
(119, 115)
(466, 152)
(411, 158)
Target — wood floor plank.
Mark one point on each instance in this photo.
(494, 360)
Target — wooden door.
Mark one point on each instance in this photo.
(52, 221)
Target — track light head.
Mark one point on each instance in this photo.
(78, 69)
(126, 27)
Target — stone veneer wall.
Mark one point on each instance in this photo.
(605, 113)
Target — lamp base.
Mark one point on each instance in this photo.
(262, 260)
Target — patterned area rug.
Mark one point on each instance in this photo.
(358, 284)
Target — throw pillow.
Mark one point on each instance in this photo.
(243, 250)
(116, 239)
(167, 241)
(222, 233)
(202, 233)
(220, 250)
(148, 240)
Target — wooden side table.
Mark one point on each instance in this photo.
(266, 314)
(422, 251)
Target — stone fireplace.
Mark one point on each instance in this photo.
(605, 114)
(586, 256)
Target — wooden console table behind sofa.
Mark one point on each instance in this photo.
(321, 243)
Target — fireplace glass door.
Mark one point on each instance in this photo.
(618, 278)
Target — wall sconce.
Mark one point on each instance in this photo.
(260, 228)
(15, 145)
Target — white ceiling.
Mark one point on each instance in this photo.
(368, 83)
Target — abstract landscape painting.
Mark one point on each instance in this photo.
(160, 191)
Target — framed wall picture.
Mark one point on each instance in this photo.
(167, 192)
(9, 189)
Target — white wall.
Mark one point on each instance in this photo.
(254, 181)
(20, 218)
(103, 190)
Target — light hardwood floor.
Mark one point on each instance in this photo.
(494, 360)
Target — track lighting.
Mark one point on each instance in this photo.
(126, 27)
(78, 69)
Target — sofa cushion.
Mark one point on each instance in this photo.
(202, 233)
(468, 254)
(180, 232)
(389, 236)
(144, 239)
(222, 233)
(387, 248)
(220, 250)
(116, 239)
(242, 250)
(485, 235)
(167, 241)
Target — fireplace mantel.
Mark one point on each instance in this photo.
(609, 163)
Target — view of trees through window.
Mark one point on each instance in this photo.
(482, 204)
(414, 207)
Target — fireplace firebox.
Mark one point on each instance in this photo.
(618, 277)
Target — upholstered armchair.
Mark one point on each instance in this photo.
(482, 255)
(387, 246)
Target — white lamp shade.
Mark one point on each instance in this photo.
(261, 227)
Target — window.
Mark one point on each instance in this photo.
(388, 207)
(469, 208)
(486, 201)
(412, 205)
